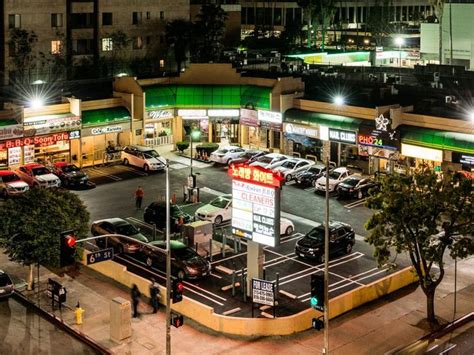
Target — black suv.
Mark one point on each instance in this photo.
(155, 213)
(341, 240)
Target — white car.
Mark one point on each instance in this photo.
(37, 175)
(289, 168)
(143, 157)
(225, 155)
(220, 210)
(272, 159)
(335, 178)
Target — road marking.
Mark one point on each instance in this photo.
(228, 258)
(224, 270)
(291, 239)
(267, 315)
(212, 191)
(216, 276)
(231, 311)
(103, 174)
(292, 182)
(287, 294)
(310, 189)
(355, 203)
(228, 287)
(133, 170)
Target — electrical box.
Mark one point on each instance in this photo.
(199, 232)
(120, 319)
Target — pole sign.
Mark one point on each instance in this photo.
(256, 204)
(263, 292)
(100, 255)
(56, 292)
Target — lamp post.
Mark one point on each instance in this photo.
(194, 135)
(168, 263)
(399, 41)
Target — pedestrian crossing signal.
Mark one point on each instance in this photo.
(317, 292)
(176, 320)
(318, 323)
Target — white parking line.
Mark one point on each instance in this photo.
(355, 204)
(228, 258)
(310, 189)
(138, 172)
(98, 172)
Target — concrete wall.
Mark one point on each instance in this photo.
(47, 110)
(344, 110)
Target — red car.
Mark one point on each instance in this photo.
(11, 184)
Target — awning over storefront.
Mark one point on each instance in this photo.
(212, 96)
(332, 121)
(8, 122)
(105, 116)
(431, 138)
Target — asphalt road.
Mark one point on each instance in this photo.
(113, 197)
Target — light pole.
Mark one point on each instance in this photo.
(399, 41)
(168, 262)
(326, 265)
(193, 135)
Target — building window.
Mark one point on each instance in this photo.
(84, 46)
(14, 21)
(148, 15)
(106, 19)
(82, 20)
(162, 63)
(56, 47)
(162, 15)
(137, 18)
(138, 42)
(56, 20)
(107, 44)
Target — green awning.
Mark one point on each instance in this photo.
(105, 116)
(332, 121)
(8, 122)
(206, 96)
(432, 138)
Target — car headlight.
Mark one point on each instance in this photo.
(191, 270)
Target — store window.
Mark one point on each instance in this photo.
(107, 44)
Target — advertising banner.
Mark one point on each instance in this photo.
(9, 132)
(51, 123)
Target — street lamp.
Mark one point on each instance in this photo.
(193, 135)
(339, 100)
(399, 41)
(36, 102)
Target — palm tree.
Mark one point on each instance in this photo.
(178, 33)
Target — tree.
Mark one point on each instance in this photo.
(119, 43)
(308, 7)
(423, 216)
(208, 33)
(21, 43)
(32, 223)
(325, 10)
(379, 20)
(293, 34)
(438, 6)
(178, 35)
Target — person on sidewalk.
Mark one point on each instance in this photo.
(135, 299)
(154, 295)
(139, 193)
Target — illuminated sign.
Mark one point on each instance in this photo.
(104, 130)
(415, 151)
(389, 138)
(248, 117)
(291, 128)
(339, 135)
(269, 116)
(192, 114)
(160, 114)
(12, 131)
(51, 123)
(464, 159)
(37, 140)
(223, 113)
(75, 134)
(255, 174)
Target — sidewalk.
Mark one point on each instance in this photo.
(373, 329)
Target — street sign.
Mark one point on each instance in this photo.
(100, 255)
(263, 292)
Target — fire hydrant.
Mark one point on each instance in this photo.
(78, 312)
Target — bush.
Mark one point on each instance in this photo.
(207, 147)
(162, 134)
(182, 146)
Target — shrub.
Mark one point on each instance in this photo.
(207, 147)
(182, 146)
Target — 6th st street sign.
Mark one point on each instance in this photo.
(100, 255)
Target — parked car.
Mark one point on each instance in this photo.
(6, 285)
(155, 213)
(289, 168)
(356, 186)
(247, 157)
(308, 176)
(118, 226)
(70, 175)
(143, 157)
(220, 210)
(335, 178)
(37, 175)
(270, 159)
(185, 262)
(11, 184)
(341, 240)
(225, 155)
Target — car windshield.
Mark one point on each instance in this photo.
(317, 234)
(222, 151)
(70, 168)
(9, 178)
(334, 175)
(219, 202)
(184, 253)
(40, 171)
(151, 154)
(127, 229)
(314, 170)
(4, 280)
(265, 160)
(289, 164)
(351, 181)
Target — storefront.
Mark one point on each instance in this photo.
(271, 127)
(302, 141)
(158, 128)
(250, 128)
(195, 119)
(343, 143)
(102, 129)
(225, 125)
(9, 129)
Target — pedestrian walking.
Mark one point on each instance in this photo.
(139, 193)
(135, 299)
(154, 295)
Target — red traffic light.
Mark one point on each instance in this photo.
(180, 287)
(70, 241)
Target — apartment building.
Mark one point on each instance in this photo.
(83, 30)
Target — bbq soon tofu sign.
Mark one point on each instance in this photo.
(256, 205)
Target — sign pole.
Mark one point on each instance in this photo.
(168, 262)
(326, 264)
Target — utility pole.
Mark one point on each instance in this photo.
(326, 265)
(191, 145)
(168, 261)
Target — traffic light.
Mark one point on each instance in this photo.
(67, 248)
(317, 292)
(318, 323)
(177, 290)
(176, 320)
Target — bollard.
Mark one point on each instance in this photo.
(210, 249)
(235, 244)
(242, 276)
(233, 283)
(277, 283)
(240, 244)
(224, 243)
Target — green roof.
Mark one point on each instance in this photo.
(432, 138)
(105, 116)
(332, 121)
(207, 96)
(8, 122)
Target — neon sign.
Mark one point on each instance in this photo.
(39, 141)
(255, 174)
(370, 140)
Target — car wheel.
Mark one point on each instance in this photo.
(126, 162)
(181, 274)
(229, 161)
(218, 220)
(289, 230)
(348, 248)
(146, 168)
(288, 178)
(149, 262)
(360, 194)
